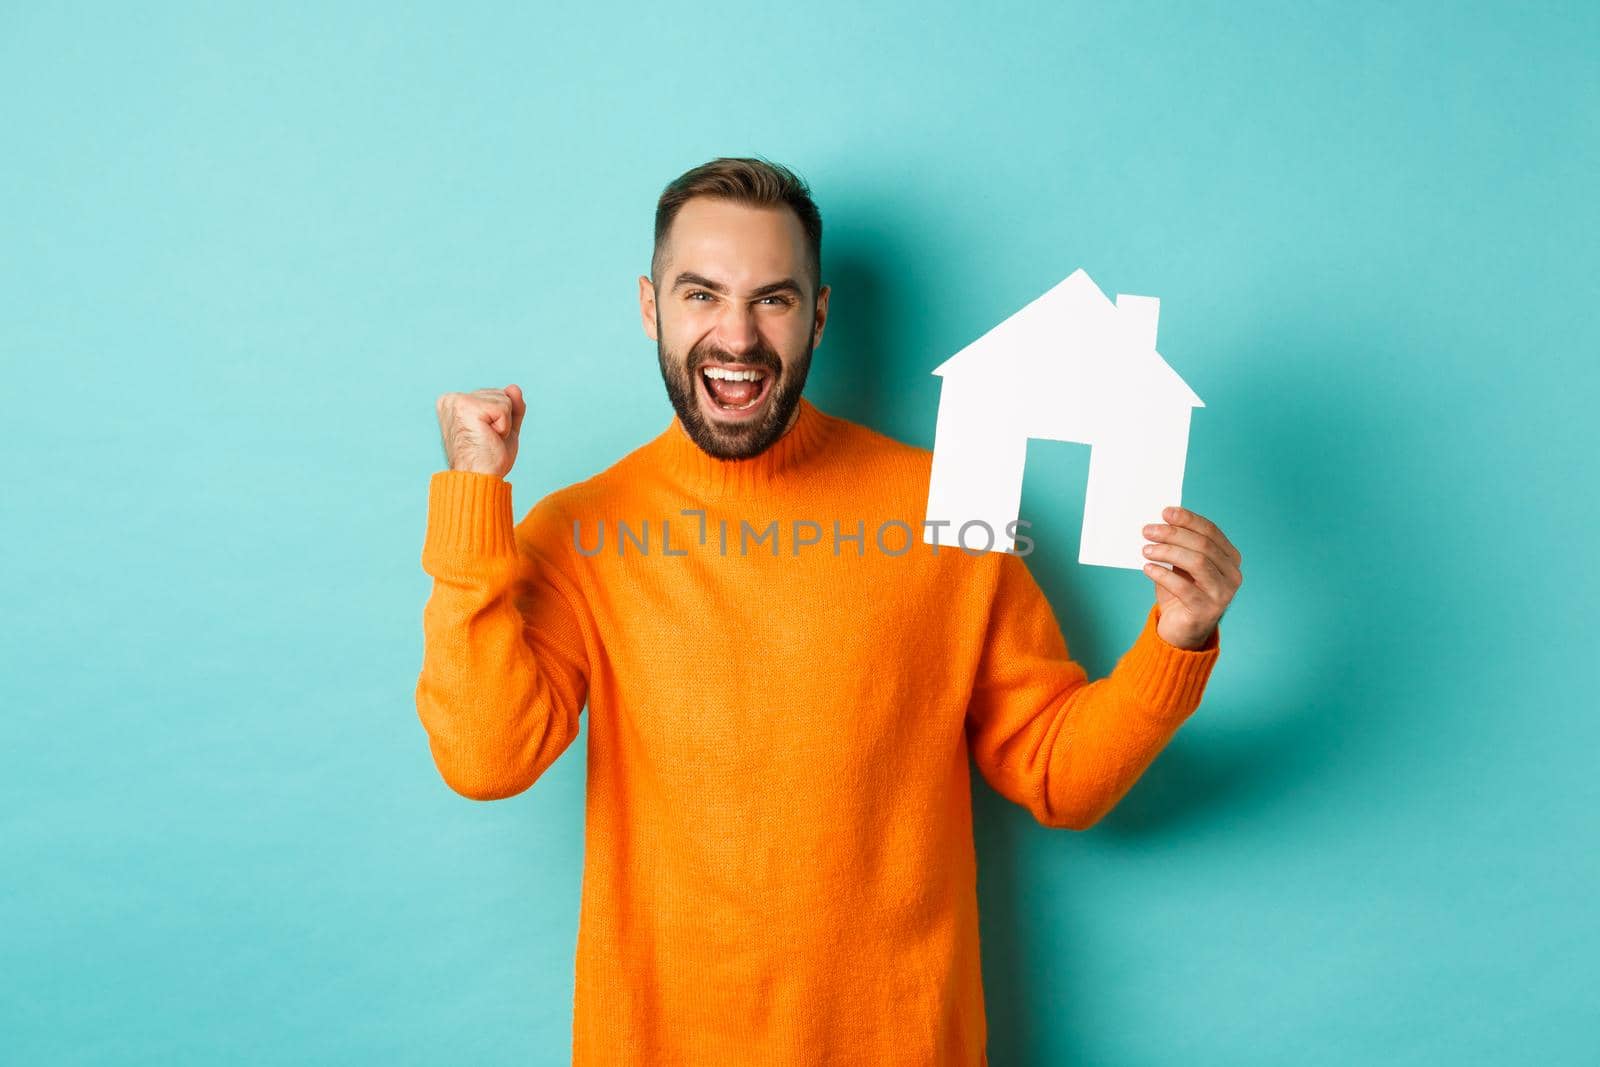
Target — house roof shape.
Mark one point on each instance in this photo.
(1075, 323)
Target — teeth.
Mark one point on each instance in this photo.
(735, 375)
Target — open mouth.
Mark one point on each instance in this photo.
(734, 389)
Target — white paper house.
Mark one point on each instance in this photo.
(1069, 366)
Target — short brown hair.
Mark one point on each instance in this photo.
(744, 180)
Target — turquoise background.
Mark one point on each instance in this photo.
(243, 249)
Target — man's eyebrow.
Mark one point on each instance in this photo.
(690, 278)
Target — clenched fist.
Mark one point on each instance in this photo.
(480, 429)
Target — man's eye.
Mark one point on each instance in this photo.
(701, 292)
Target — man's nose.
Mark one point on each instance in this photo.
(737, 330)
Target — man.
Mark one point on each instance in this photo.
(784, 683)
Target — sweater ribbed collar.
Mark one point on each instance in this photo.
(784, 462)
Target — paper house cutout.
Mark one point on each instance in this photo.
(1069, 366)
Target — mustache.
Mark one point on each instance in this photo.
(761, 357)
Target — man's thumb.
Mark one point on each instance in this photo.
(519, 406)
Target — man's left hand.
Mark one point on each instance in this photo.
(1204, 576)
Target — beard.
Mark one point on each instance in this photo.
(739, 440)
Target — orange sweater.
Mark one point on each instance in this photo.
(779, 863)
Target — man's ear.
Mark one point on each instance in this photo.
(647, 306)
(821, 318)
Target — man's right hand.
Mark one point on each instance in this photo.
(479, 429)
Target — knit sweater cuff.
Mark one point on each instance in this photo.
(1165, 678)
(469, 514)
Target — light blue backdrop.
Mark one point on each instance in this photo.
(242, 251)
